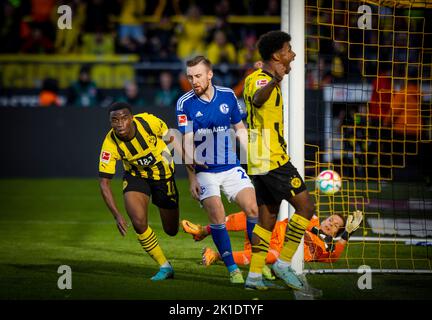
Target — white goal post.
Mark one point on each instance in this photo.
(293, 93)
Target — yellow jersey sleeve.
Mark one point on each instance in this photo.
(157, 126)
(108, 158)
(256, 81)
(267, 148)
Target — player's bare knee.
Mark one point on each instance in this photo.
(309, 210)
(171, 230)
(216, 214)
(267, 222)
(140, 228)
(140, 225)
(251, 210)
(255, 239)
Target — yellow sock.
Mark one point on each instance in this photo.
(259, 251)
(295, 230)
(150, 244)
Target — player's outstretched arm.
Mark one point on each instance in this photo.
(105, 187)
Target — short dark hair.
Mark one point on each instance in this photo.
(119, 106)
(198, 59)
(271, 42)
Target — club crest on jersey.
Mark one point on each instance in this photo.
(105, 156)
(152, 140)
(261, 83)
(296, 183)
(224, 108)
(182, 120)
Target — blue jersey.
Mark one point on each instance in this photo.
(211, 122)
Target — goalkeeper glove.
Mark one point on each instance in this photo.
(328, 240)
(352, 224)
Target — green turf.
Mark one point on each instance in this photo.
(47, 223)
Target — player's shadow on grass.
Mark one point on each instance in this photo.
(115, 269)
(119, 280)
(95, 267)
(125, 252)
(203, 279)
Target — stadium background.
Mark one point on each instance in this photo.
(48, 222)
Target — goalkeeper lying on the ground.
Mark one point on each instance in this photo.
(319, 243)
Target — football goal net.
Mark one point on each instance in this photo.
(367, 112)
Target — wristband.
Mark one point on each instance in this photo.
(345, 235)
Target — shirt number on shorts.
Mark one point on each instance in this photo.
(243, 174)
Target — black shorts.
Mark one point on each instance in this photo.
(164, 192)
(278, 184)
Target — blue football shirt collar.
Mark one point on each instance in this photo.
(213, 99)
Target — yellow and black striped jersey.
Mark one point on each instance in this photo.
(146, 155)
(267, 147)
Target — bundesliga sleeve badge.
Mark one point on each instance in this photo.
(261, 83)
(182, 120)
(105, 156)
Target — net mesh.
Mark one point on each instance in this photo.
(372, 61)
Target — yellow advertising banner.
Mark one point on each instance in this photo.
(27, 71)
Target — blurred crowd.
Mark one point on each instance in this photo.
(166, 30)
(170, 31)
(338, 50)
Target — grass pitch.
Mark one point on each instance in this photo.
(48, 223)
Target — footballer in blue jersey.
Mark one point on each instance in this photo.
(210, 122)
(205, 116)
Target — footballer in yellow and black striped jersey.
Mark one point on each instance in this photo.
(146, 155)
